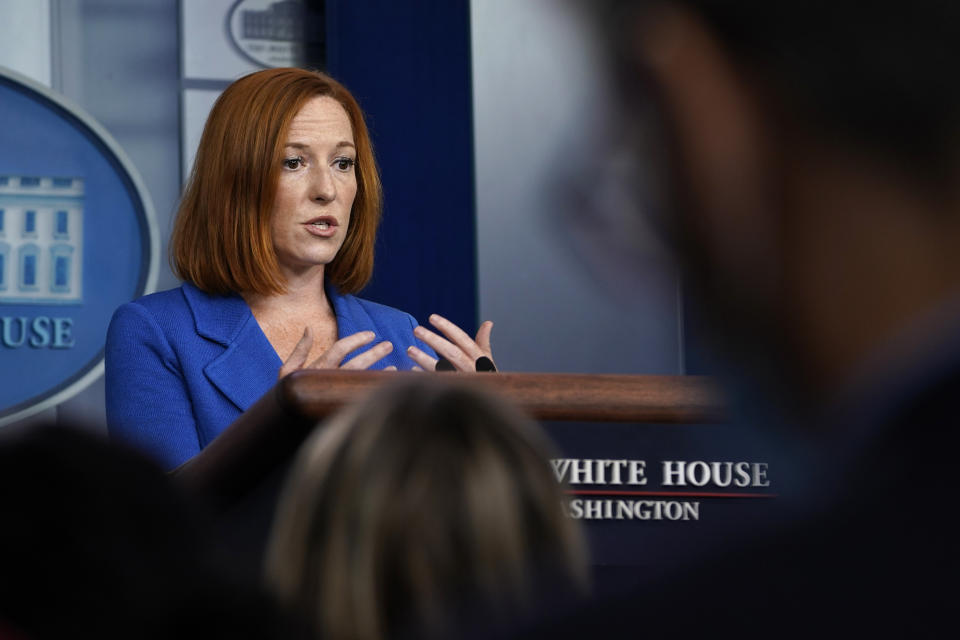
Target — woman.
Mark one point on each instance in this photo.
(425, 509)
(274, 234)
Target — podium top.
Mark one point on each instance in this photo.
(545, 396)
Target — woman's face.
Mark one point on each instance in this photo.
(316, 188)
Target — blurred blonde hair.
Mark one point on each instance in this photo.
(425, 499)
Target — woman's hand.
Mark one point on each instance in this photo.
(458, 348)
(333, 357)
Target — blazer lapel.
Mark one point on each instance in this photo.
(351, 317)
(346, 325)
(248, 367)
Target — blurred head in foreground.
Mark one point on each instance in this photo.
(812, 154)
(426, 502)
(96, 541)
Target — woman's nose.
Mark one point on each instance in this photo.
(323, 187)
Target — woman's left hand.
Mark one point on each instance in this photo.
(457, 347)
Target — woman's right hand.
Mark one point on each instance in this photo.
(333, 357)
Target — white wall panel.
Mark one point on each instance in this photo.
(538, 116)
(25, 38)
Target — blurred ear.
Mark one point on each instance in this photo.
(721, 141)
(708, 101)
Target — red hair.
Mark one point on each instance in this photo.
(221, 239)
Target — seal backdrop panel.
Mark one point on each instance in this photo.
(77, 239)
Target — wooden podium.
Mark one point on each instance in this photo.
(268, 433)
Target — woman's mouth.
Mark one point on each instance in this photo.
(324, 227)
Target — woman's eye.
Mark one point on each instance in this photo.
(344, 164)
(293, 163)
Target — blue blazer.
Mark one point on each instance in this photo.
(182, 364)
